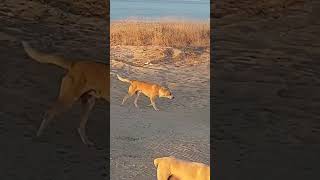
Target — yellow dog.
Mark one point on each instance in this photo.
(172, 168)
(85, 80)
(151, 90)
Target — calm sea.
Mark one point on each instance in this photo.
(154, 9)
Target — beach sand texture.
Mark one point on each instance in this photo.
(182, 126)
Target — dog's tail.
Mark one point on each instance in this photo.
(156, 162)
(46, 58)
(123, 79)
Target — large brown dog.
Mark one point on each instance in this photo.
(168, 167)
(151, 90)
(85, 80)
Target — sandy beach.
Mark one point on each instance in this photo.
(182, 126)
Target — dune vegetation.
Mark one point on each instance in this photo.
(160, 33)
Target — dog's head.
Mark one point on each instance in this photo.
(166, 93)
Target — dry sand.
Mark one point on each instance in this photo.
(182, 126)
(27, 89)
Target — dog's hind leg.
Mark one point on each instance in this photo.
(50, 114)
(87, 105)
(125, 98)
(65, 100)
(131, 92)
(136, 99)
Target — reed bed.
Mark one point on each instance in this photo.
(160, 33)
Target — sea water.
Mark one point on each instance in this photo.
(158, 9)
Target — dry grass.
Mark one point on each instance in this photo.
(162, 33)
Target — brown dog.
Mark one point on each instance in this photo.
(85, 80)
(168, 167)
(151, 90)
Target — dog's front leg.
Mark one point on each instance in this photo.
(136, 99)
(153, 103)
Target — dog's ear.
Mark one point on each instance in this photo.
(156, 162)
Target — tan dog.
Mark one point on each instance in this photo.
(168, 167)
(85, 80)
(151, 90)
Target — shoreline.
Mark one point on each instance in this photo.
(159, 19)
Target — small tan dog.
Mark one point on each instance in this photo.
(170, 167)
(85, 80)
(151, 90)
